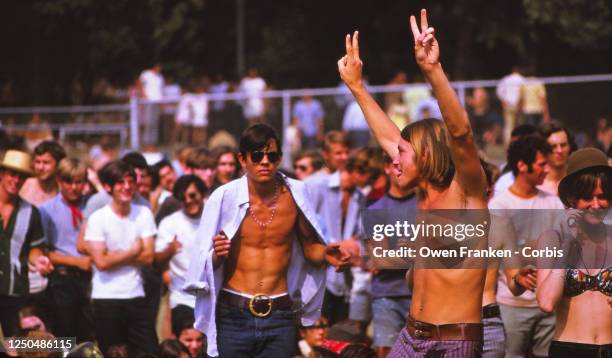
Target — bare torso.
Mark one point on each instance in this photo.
(490, 287)
(586, 318)
(33, 193)
(443, 296)
(259, 258)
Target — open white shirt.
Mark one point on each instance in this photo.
(225, 210)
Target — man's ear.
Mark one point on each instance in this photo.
(108, 188)
(521, 166)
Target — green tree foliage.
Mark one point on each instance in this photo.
(51, 46)
(580, 24)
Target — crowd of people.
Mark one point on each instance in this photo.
(222, 253)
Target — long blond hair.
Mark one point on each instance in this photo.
(432, 155)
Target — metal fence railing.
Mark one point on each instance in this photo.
(575, 100)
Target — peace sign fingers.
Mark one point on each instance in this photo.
(350, 65)
(415, 29)
(356, 44)
(424, 25)
(352, 46)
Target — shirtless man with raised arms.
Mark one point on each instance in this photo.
(446, 303)
(264, 257)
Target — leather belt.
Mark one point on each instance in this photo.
(445, 332)
(260, 305)
(491, 311)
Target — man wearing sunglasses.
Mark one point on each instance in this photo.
(307, 163)
(261, 255)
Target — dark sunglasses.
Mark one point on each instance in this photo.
(258, 156)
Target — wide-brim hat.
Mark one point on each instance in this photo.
(18, 161)
(579, 162)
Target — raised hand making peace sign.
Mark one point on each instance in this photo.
(426, 49)
(350, 65)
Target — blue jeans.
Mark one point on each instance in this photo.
(389, 317)
(240, 334)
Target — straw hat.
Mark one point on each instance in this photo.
(18, 161)
(581, 161)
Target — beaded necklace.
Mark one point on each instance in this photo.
(263, 225)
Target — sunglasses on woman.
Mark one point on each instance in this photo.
(257, 156)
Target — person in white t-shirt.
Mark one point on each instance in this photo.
(151, 84)
(528, 329)
(120, 239)
(176, 239)
(199, 113)
(182, 119)
(253, 86)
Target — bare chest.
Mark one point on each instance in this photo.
(269, 225)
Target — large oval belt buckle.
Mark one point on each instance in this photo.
(258, 299)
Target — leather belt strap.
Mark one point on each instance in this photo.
(259, 305)
(491, 311)
(445, 332)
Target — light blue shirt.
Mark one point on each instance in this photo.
(308, 114)
(354, 118)
(225, 210)
(427, 104)
(58, 226)
(326, 198)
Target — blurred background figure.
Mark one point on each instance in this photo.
(312, 336)
(335, 151)
(307, 163)
(219, 86)
(226, 166)
(603, 135)
(308, 118)
(395, 107)
(253, 86)
(151, 88)
(355, 126)
(173, 348)
(199, 112)
(486, 123)
(37, 190)
(182, 118)
(391, 98)
(508, 92)
(533, 104)
(562, 145)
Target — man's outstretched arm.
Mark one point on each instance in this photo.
(350, 67)
(461, 139)
(315, 251)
